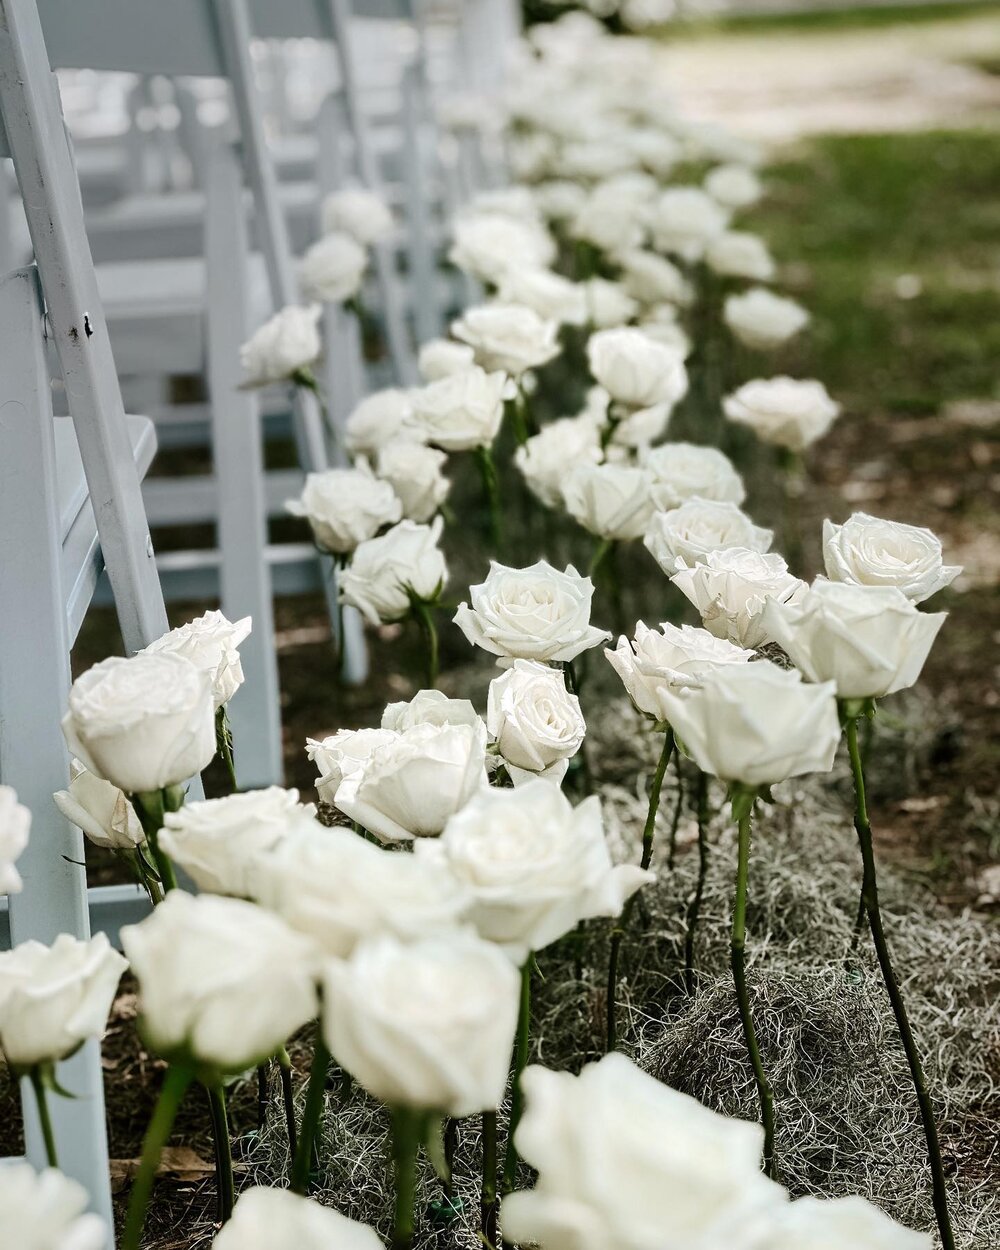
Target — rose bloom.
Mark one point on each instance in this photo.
(549, 294)
(869, 641)
(276, 1219)
(440, 358)
(534, 721)
(763, 320)
(45, 1211)
(756, 724)
(730, 588)
(653, 279)
(734, 186)
(595, 159)
(54, 998)
(685, 220)
(379, 418)
(384, 570)
(358, 212)
(834, 1223)
(609, 304)
(686, 534)
(640, 428)
(535, 613)
(211, 643)
(534, 865)
(487, 245)
(333, 269)
(415, 474)
(662, 326)
(612, 501)
(634, 370)
(286, 343)
(408, 787)
(462, 411)
(784, 411)
(683, 471)
(559, 199)
(100, 810)
(425, 1024)
(345, 506)
(339, 753)
(429, 707)
(215, 840)
(674, 657)
(15, 825)
(546, 458)
(222, 981)
(625, 1162)
(609, 223)
(872, 552)
(507, 337)
(143, 723)
(737, 254)
(654, 148)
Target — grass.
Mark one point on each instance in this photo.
(848, 17)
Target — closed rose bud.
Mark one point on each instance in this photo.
(549, 456)
(415, 473)
(612, 501)
(377, 420)
(737, 254)
(384, 571)
(15, 824)
(635, 370)
(868, 551)
(333, 269)
(733, 186)
(345, 506)
(653, 279)
(507, 337)
(763, 320)
(784, 411)
(534, 721)
(462, 411)
(100, 810)
(211, 643)
(289, 342)
(358, 212)
(684, 221)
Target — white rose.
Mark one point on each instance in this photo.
(100, 809)
(610, 500)
(516, 202)
(559, 199)
(214, 840)
(608, 224)
(429, 707)
(685, 220)
(534, 865)
(549, 294)
(530, 155)
(345, 506)
(763, 320)
(289, 342)
(15, 825)
(357, 212)
(333, 269)
(654, 148)
(439, 358)
(634, 370)
(784, 411)
(682, 471)
(609, 304)
(409, 787)
(384, 570)
(626, 1163)
(486, 245)
(143, 723)
(379, 418)
(673, 657)
(462, 411)
(222, 981)
(594, 159)
(835, 1223)
(276, 1219)
(730, 588)
(509, 337)
(546, 458)
(535, 613)
(756, 724)
(641, 427)
(734, 186)
(873, 552)
(415, 473)
(653, 279)
(737, 254)
(211, 643)
(54, 998)
(712, 142)
(662, 326)
(686, 534)
(45, 1211)
(534, 720)
(869, 641)
(341, 752)
(337, 889)
(427, 1024)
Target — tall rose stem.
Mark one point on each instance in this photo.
(44, 1119)
(738, 959)
(425, 619)
(405, 1143)
(288, 1097)
(307, 380)
(618, 933)
(224, 744)
(263, 1093)
(491, 488)
(520, 1063)
(676, 818)
(488, 1205)
(694, 907)
(600, 555)
(870, 893)
(150, 807)
(175, 1085)
(223, 1151)
(311, 1115)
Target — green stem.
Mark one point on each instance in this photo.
(676, 819)
(694, 907)
(491, 488)
(175, 1085)
(600, 555)
(870, 893)
(308, 381)
(488, 1207)
(224, 745)
(618, 932)
(424, 613)
(150, 807)
(520, 1063)
(223, 1151)
(44, 1118)
(312, 1114)
(738, 959)
(288, 1097)
(405, 1143)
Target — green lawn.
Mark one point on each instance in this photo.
(867, 15)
